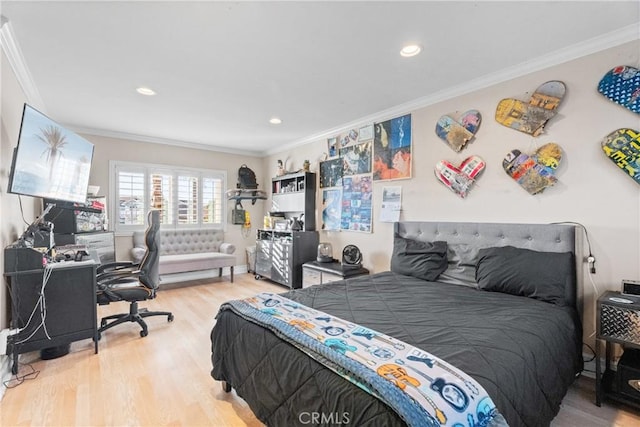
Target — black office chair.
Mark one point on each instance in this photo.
(128, 281)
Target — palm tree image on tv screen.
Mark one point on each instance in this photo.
(50, 161)
(55, 142)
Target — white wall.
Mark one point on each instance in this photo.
(591, 189)
(107, 149)
(11, 216)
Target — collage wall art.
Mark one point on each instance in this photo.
(382, 151)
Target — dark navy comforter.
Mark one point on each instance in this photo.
(524, 352)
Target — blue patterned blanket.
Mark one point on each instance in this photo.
(423, 389)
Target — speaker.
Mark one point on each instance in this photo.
(631, 287)
(54, 352)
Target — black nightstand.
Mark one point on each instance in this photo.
(316, 273)
(618, 322)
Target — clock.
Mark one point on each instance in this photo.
(351, 256)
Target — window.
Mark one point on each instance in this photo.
(131, 198)
(185, 197)
(188, 200)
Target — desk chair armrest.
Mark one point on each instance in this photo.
(119, 275)
(118, 265)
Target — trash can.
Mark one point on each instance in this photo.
(251, 259)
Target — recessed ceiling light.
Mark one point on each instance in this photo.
(145, 91)
(410, 50)
(275, 120)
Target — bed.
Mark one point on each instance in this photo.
(503, 307)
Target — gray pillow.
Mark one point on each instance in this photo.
(424, 260)
(544, 276)
(461, 267)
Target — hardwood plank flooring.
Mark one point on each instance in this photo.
(163, 379)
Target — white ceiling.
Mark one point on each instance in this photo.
(222, 69)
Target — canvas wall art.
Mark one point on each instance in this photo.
(392, 149)
(366, 133)
(331, 173)
(332, 146)
(356, 203)
(331, 209)
(356, 159)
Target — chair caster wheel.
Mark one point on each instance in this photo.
(144, 333)
(103, 323)
(170, 318)
(257, 277)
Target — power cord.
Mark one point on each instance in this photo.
(591, 259)
(19, 379)
(591, 262)
(592, 351)
(42, 303)
(22, 210)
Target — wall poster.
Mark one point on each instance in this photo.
(331, 173)
(392, 149)
(391, 204)
(366, 133)
(332, 146)
(356, 159)
(356, 203)
(331, 209)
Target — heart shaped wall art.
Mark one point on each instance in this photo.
(458, 133)
(530, 117)
(460, 178)
(622, 86)
(623, 148)
(536, 172)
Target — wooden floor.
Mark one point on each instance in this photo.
(163, 379)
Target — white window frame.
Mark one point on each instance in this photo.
(115, 166)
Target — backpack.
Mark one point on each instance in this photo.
(246, 178)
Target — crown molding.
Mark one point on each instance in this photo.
(16, 60)
(164, 141)
(615, 38)
(587, 47)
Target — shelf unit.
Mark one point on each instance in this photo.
(83, 224)
(617, 323)
(294, 195)
(280, 255)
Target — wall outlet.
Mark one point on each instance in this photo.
(4, 334)
(4, 337)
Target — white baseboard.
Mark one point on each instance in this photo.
(590, 366)
(5, 373)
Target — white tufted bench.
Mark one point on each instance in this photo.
(188, 250)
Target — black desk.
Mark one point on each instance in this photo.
(70, 301)
(315, 273)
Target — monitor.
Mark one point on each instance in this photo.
(49, 160)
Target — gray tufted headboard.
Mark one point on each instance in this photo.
(537, 237)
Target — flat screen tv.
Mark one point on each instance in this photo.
(50, 161)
